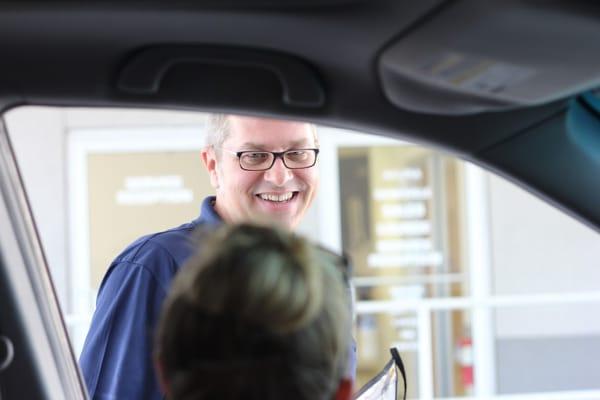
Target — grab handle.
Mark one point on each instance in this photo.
(144, 72)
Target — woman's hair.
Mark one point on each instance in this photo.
(258, 313)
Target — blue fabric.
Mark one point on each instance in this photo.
(116, 360)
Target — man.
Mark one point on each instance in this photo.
(259, 168)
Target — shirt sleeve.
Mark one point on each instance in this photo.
(116, 360)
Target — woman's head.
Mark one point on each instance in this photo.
(259, 313)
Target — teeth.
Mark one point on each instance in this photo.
(276, 197)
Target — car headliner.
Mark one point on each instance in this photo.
(69, 53)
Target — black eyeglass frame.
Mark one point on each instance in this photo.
(276, 155)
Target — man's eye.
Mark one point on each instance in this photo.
(255, 157)
(296, 155)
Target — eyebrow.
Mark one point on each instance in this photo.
(293, 145)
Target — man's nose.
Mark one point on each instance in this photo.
(278, 174)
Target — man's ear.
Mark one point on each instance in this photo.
(209, 158)
(344, 390)
(163, 382)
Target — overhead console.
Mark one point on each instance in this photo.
(478, 56)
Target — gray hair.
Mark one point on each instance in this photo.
(218, 130)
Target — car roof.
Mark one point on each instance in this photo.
(478, 79)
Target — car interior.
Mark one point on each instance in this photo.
(510, 86)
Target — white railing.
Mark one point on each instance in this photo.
(425, 306)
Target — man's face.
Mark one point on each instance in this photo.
(258, 195)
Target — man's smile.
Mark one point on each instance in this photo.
(278, 197)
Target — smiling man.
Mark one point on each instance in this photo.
(261, 169)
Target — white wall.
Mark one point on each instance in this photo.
(538, 249)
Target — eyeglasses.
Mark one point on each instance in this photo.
(264, 160)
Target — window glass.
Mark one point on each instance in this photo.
(482, 287)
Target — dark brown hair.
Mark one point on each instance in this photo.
(259, 313)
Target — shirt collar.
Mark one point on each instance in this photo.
(208, 215)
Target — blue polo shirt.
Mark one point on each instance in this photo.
(116, 360)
